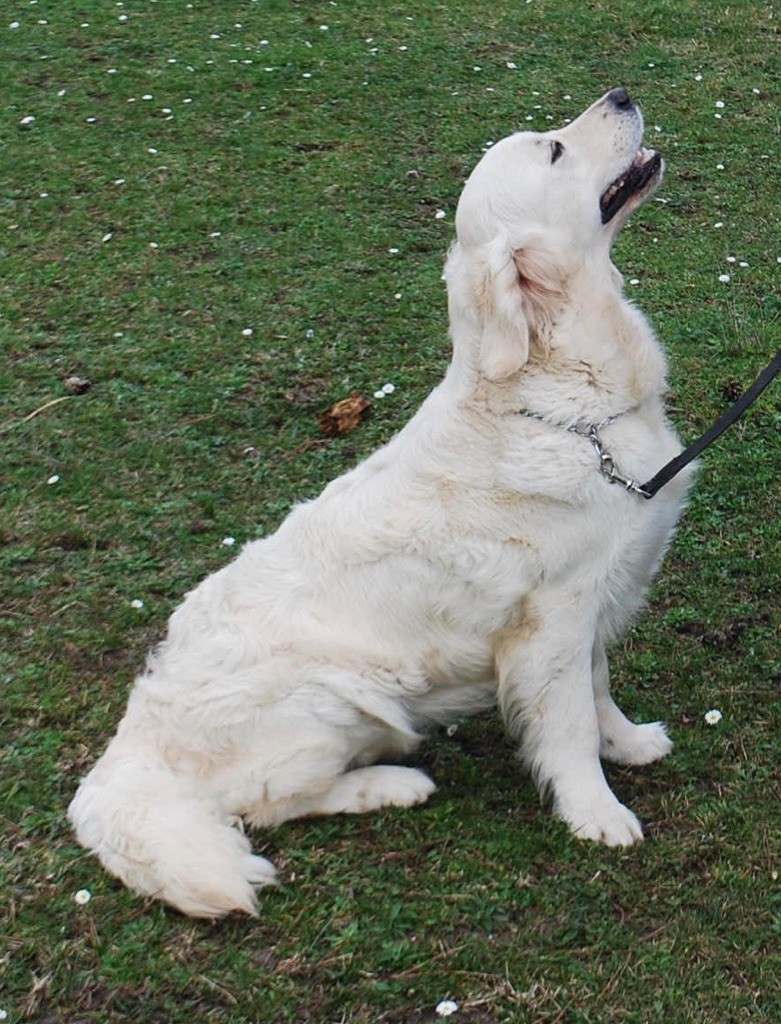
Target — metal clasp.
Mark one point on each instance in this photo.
(607, 466)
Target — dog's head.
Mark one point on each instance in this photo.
(538, 206)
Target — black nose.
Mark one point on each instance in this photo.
(620, 98)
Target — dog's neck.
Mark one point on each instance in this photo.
(599, 359)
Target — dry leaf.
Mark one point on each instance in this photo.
(345, 415)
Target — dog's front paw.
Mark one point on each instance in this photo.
(637, 744)
(605, 821)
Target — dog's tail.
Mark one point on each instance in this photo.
(152, 829)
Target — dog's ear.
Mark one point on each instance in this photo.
(517, 303)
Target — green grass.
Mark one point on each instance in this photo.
(191, 431)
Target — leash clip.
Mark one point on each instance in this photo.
(607, 466)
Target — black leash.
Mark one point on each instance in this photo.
(674, 466)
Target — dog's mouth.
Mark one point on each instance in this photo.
(644, 169)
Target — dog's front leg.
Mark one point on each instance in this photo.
(544, 666)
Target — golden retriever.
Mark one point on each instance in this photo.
(481, 555)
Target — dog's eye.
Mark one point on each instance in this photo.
(556, 151)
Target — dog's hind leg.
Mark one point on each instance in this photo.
(620, 740)
(354, 792)
(366, 789)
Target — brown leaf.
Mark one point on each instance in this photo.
(345, 415)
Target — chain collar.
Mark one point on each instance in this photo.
(590, 431)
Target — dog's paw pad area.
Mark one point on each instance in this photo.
(639, 745)
(366, 789)
(610, 824)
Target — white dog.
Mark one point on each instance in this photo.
(481, 554)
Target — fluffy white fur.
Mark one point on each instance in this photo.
(479, 555)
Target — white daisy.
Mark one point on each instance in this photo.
(446, 1008)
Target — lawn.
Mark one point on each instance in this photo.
(224, 217)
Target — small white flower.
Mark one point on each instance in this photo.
(323, 28)
(719, 167)
(713, 717)
(107, 237)
(147, 96)
(111, 71)
(28, 119)
(698, 78)
(452, 729)
(440, 215)
(188, 100)
(247, 332)
(309, 334)
(393, 252)
(403, 49)
(379, 394)
(717, 116)
(388, 389)
(756, 91)
(62, 92)
(567, 97)
(152, 150)
(634, 280)
(123, 17)
(14, 24)
(306, 75)
(214, 234)
(719, 224)
(153, 245)
(398, 294)
(3, 1014)
(720, 104)
(228, 542)
(511, 65)
(82, 896)
(446, 1008)
(731, 259)
(724, 278)
(53, 479)
(742, 263)
(136, 603)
